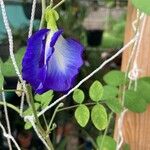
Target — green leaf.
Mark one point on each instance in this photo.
(27, 126)
(114, 78)
(99, 117)
(96, 91)
(134, 102)
(29, 110)
(109, 92)
(143, 89)
(51, 17)
(142, 5)
(8, 68)
(1, 77)
(82, 115)
(114, 105)
(78, 96)
(44, 99)
(106, 143)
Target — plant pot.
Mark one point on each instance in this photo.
(94, 37)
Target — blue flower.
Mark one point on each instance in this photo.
(51, 62)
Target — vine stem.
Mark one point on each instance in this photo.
(10, 106)
(39, 127)
(45, 121)
(74, 106)
(106, 130)
(43, 13)
(11, 90)
(57, 5)
(51, 3)
(54, 114)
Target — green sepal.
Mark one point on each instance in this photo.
(51, 17)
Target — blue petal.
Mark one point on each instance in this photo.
(63, 64)
(33, 61)
(50, 42)
(55, 37)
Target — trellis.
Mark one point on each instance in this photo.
(134, 42)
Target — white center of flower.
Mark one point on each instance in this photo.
(59, 55)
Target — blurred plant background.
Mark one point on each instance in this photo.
(99, 25)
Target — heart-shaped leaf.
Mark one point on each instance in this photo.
(114, 78)
(142, 5)
(106, 143)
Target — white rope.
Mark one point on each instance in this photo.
(7, 119)
(120, 124)
(32, 18)
(89, 76)
(133, 73)
(137, 32)
(9, 136)
(132, 76)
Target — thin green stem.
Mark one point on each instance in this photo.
(45, 121)
(10, 106)
(54, 114)
(32, 104)
(44, 7)
(74, 106)
(39, 127)
(11, 90)
(43, 13)
(60, 3)
(106, 130)
(51, 3)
